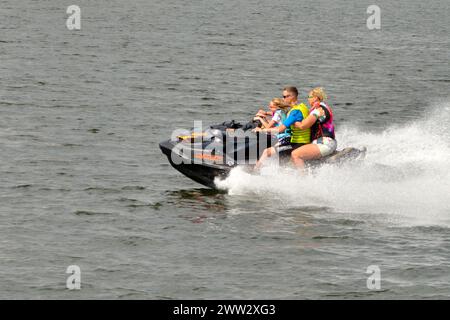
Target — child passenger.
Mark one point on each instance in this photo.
(278, 111)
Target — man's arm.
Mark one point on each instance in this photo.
(294, 116)
(278, 129)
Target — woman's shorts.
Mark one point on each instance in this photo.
(326, 145)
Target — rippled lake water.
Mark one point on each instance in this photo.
(84, 182)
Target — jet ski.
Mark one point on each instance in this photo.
(204, 154)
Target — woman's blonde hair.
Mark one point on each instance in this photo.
(280, 104)
(319, 93)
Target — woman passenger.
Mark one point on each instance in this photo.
(320, 120)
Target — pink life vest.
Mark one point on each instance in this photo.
(323, 129)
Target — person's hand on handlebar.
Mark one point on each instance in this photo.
(261, 113)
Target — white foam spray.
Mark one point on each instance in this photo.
(406, 173)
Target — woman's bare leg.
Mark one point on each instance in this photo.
(306, 152)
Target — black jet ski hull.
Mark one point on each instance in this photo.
(201, 173)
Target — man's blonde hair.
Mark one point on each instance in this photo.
(319, 93)
(292, 90)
